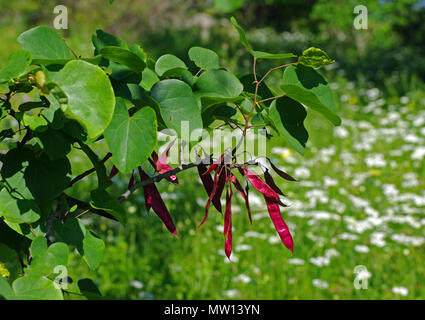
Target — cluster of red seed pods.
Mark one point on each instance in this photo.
(214, 186)
(223, 177)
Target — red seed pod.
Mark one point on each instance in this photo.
(215, 182)
(260, 185)
(208, 183)
(114, 172)
(220, 185)
(244, 196)
(131, 181)
(228, 224)
(279, 223)
(269, 180)
(281, 173)
(153, 200)
(214, 165)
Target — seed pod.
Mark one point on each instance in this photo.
(215, 182)
(269, 180)
(281, 173)
(220, 185)
(214, 165)
(260, 185)
(279, 223)
(161, 166)
(244, 196)
(208, 183)
(153, 200)
(131, 181)
(228, 224)
(114, 172)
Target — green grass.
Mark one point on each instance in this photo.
(194, 266)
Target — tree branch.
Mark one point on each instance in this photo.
(86, 206)
(159, 177)
(86, 173)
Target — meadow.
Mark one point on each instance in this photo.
(356, 214)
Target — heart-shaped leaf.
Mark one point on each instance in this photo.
(131, 139)
(177, 103)
(89, 93)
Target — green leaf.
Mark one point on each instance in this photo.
(90, 95)
(38, 246)
(149, 78)
(138, 50)
(36, 287)
(124, 57)
(219, 83)
(315, 58)
(94, 249)
(131, 139)
(140, 98)
(102, 200)
(35, 121)
(17, 63)
(73, 232)
(46, 259)
(288, 117)
(309, 87)
(242, 36)
(18, 210)
(103, 39)
(46, 179)
(9, 261)
(47, 62)
(228, 5)
(44, 43)
(37, 229)
(264, 91)
(177, 103)
(102, 177)
(5, 289)
(54, 143)
(205, 59)
(169, 64)
(275, 56)
(89, 289)
(189, 78)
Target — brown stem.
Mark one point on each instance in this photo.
(272, 98)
